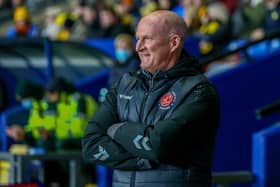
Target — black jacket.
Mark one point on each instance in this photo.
(157, 130)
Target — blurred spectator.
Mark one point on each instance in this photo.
(23, 26)
(17, 3)
(123, 6)
(99, 4)
(51, 29)
(194, 14)
(65, 22)
(110, 24)
(127, 60)
(125, 10)
(148, 6)
(166, 4)
(271, 22)
(87, 23)
(247, 17)
(214, 31)
(230, 4)
(73, 110)
(36, 132)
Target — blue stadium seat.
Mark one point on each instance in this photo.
(265, 156)
(104, 176)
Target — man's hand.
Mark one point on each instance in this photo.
(15, 132)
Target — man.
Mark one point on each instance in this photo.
(23, 27)
(34, 131)
(126, 58)
(72, 108)
(157, 126)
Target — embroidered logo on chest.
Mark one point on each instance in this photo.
(167, 100)
(127, 97)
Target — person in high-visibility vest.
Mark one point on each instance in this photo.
(73, 108)
(37, 131)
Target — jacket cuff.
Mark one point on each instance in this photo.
(111, 131)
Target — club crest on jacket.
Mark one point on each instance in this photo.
(167, 100)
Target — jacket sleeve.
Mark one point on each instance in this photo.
(159, 142)
(99, 148)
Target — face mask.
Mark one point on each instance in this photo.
(122, 55)
(26, 103)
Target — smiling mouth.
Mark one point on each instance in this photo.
(144, 55)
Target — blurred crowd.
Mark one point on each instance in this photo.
(214, 22)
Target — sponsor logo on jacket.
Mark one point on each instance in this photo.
(128, 97)
(102, 154)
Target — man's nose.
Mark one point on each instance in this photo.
(139, 45)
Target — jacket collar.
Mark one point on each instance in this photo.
(186, 65)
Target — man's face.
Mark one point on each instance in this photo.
(22, 27)
(106, 18)
(52, 97)
(152, 46)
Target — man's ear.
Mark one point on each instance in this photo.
(175, 42)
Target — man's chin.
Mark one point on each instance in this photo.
(144, 65)
(146, 68)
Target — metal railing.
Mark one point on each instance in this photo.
(19, 164)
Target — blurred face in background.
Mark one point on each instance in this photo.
(21, 20)
(89, 15)
(52, 96)
(51, 14)
(271, 4)
(124, 48)
(198, 2)
(22, 27)
(186, 3)
(16, 3)
(107, 18)
(26, 102)
(164, 4)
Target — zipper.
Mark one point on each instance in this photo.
(132, 180)
(143, 105)
(147, 91)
